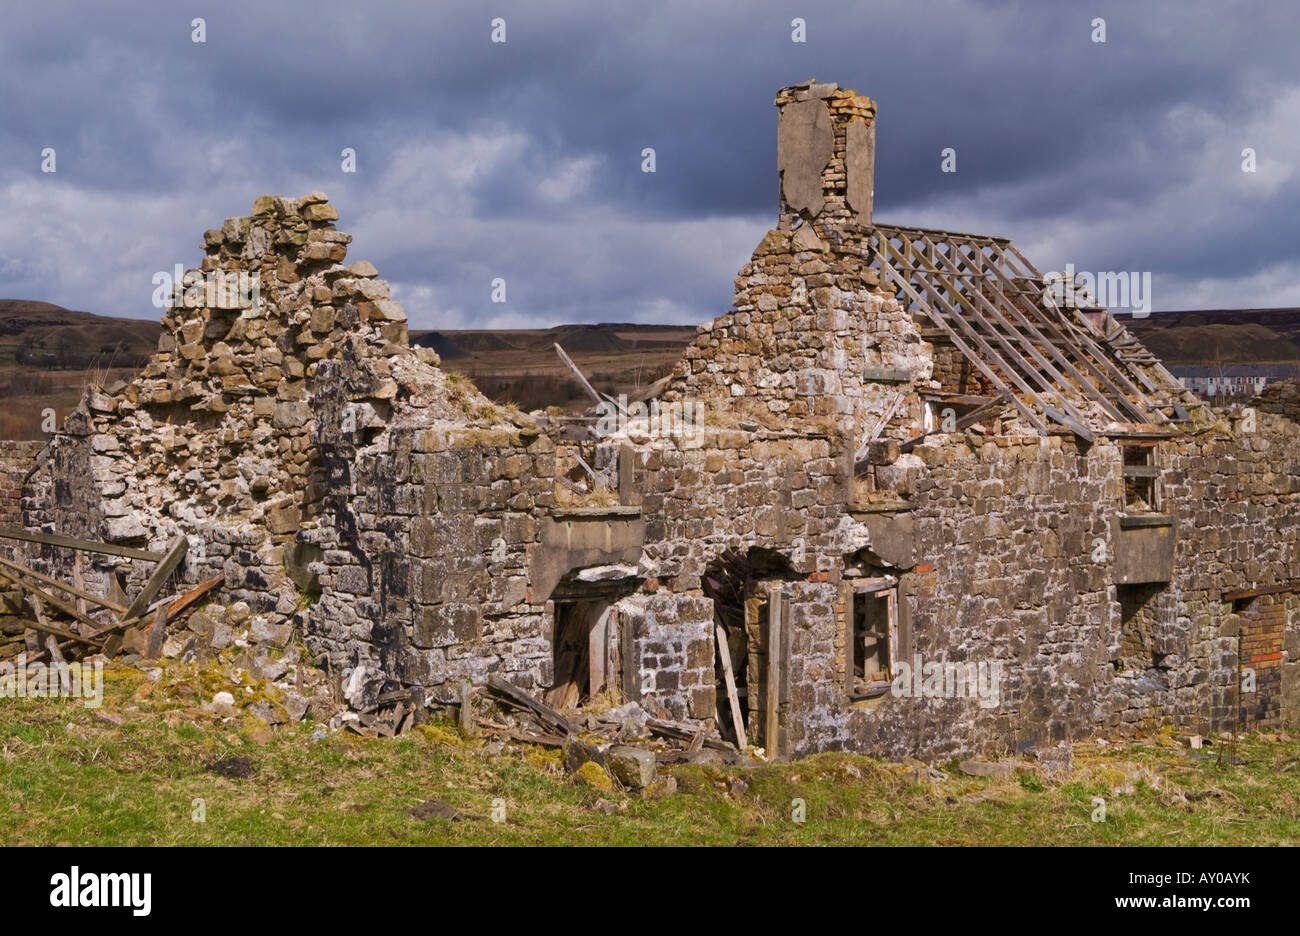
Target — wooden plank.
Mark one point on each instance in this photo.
(71, 542)
(1032, 305)
(989, 409)
(891, 627)
(900, 232)
(57, 602)
(848, 600)
(587, 387)
(166, 566)
(729, 678)
(693, 736)
(72, 590)
(878, 428)
(79, 583)
(156, 634)
(936, 316)
(521, 699)
(772, 709)
(1291, 586)
(193, 595)
(958, 399)
(467, 722)
(1042, 307)
(176, 607)
(38, 612)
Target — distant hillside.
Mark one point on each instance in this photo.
(42, 335)
(48, 354)
(1222, 336)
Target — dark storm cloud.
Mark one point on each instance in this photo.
(523, 160)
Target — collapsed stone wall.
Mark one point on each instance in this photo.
(219, 437)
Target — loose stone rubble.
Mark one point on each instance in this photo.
(381, 524)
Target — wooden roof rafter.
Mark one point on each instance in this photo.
(995, 307)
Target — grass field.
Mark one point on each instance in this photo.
(69, 774)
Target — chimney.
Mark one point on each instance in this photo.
(826, 155)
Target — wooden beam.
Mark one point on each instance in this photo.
(72, 590)
(176, 607)
(1293, 585)
(729, 677)
(156, 634)
(586, 386)
(59, 603)
(71, 542)
(998, 327)
(34, 596)
(521, 699)
(1043, 307)
(990, 408)
(166, 566)
(772, 709)
(993, 268)
(958, 399)
(937, 317)
(961, 346)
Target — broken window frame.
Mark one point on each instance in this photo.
(886, 588)
(1143, 476)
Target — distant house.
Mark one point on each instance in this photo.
(1232, 380)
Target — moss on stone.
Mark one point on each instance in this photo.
(593, 775)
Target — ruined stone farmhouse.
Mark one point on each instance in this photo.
(908, 496)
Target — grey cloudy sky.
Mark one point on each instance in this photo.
(523, 159)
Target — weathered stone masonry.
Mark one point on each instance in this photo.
(414, 536)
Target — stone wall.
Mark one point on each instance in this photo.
(17, 459)
(1281, 398)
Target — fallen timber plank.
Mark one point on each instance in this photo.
(156, 634)
(34, 597)
(521, 699)
(733, 699)
(173, 610)
(72, 590)
(166, 566)
(58, 603)
(527, 737)
(666, 729)
(71, 542)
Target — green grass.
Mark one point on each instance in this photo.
(67, 775)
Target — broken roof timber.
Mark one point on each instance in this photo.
(993, 305)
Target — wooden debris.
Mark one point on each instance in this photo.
(667, 729)
(71, 542)
(75, 590)
(166, 566)
(548, 716)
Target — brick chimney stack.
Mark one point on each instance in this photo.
(826, 155)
